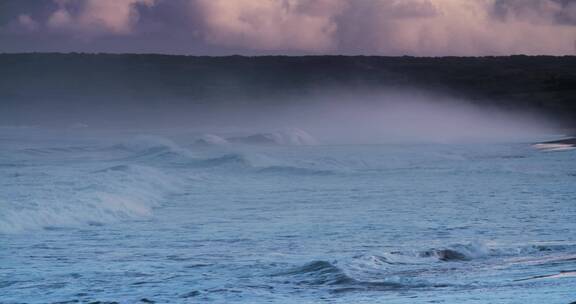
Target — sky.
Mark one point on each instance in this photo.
(291, 27)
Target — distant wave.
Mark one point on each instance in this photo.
(261, 163)
(147, 142)
(154, 148)
(241, 159)
(286, 137)
(211, 140)
(157, 150)
(143, 147)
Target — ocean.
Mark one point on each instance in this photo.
(142, 217)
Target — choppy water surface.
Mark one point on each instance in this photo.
(146, 219)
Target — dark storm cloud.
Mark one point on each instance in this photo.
(217, 27)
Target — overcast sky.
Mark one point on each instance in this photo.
(294, 27)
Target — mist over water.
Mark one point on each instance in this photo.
(334, 117)
(416, 117)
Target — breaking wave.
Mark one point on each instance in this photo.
(65, 199)
(330, 275)
(429, 268)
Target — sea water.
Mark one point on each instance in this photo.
(157, 218)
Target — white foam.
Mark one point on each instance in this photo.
(554, 147)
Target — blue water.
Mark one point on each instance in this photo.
(135, 219)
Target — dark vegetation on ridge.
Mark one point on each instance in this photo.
(37, 81)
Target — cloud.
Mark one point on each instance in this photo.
(97, 16)
(537, 11)
(454, 27)
(371, 27)
(25, 21)
(271, 24)
(392, 27)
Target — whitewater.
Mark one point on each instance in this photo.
(281, 217)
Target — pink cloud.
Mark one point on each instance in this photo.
(97, 16)
(271, 24)
(27, 22)
(392, 27)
